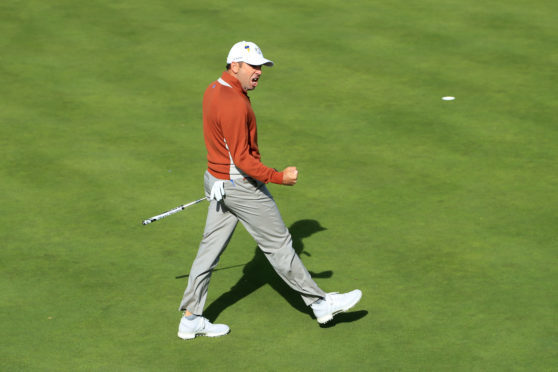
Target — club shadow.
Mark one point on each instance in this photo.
(223, 268)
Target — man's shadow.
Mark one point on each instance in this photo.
(259, 272)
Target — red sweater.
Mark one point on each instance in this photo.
(231, 138)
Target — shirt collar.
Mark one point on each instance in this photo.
(233, 82)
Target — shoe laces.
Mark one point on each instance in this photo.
(331, 295)
(198, 323)
(204, 322)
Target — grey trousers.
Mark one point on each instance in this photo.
(249, 202)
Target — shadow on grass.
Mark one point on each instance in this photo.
(259, 272)
(345, 318)
(223, 268)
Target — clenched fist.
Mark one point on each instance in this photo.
(290, 175)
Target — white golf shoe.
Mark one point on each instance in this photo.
(200, 326)
(334, 303)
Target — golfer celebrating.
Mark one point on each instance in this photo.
(235, 183)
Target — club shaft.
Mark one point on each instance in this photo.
(172, 211)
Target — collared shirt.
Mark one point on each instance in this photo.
(231, 138)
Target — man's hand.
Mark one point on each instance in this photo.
(290, 175)
(217, 191)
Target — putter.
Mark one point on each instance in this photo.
(172, 211)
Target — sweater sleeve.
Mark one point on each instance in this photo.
(236, 133)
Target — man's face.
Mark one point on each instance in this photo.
(248, 76)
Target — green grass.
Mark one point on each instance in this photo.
(443, 213)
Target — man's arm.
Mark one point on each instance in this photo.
(236, 134)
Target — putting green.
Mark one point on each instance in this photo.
(444, 213)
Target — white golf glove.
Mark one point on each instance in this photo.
(217, 191)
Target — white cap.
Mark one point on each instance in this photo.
(246, 51)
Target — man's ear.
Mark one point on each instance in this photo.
(235, 66)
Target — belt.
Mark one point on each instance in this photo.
(257, 184)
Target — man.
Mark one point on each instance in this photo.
(235, 183)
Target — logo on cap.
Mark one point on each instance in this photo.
(247, 47)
